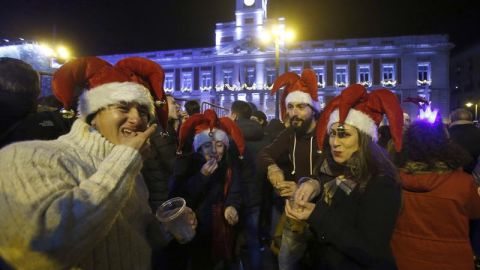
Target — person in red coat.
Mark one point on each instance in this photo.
(438, 201)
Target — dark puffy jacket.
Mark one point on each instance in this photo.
(47, 125)
(254, 141)
(467, 136)
(158, 169)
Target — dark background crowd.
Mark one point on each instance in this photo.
(258, 178)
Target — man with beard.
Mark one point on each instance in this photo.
(299, 105)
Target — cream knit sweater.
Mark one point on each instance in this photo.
(75, 202)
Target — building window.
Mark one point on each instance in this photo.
(270, 77)
(248, 21)
(226, 39)
(206, 81)
(341, 75)
(364, 76)
(249, 78)
(320, 72)
(187, 81)
(388, 75)
(228, 80)
(424, 74)
(168, 85)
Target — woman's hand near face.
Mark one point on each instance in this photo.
(231, 215)
(301, 211)
(209, 167)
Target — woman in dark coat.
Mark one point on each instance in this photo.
(208, 180)
(354, 216)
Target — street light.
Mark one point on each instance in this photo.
(470, 104)
(60, 54)
(279, 35)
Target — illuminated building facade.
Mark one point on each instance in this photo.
(239, 67)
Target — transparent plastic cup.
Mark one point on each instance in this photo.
(172, 214)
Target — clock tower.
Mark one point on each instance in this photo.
(251, 9)
(250, 16)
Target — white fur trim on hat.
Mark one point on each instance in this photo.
(204, 136)
(300, 97)
(112, 93)
(358, 119)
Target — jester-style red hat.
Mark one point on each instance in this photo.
(208, 127)
(355, 107)
(301, 89)
(131, 79)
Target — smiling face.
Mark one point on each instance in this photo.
(119, 121)
(343, 142)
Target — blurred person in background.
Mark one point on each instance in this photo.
(439, 199)
(19, 90)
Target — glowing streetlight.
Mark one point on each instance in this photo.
(63, 52)
(60, 52)
(279, 35)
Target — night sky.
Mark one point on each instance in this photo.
(108, 27)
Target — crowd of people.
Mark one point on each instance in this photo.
(354, 185)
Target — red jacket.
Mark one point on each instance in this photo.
(432, 229)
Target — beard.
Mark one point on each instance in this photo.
(299, 125)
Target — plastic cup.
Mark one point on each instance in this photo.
(172, 214)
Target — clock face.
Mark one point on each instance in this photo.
(249, 2)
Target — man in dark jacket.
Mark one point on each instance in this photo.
(252, 132)
(159, 168)
(463, 131)
(299, 143)
(19, 90)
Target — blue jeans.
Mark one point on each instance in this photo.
(252, 219)
(294, 244)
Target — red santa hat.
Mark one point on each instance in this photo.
(302, 89)
(131, 79)
(207, 127)
(363, 110)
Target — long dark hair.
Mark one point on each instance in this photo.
(368, 162)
